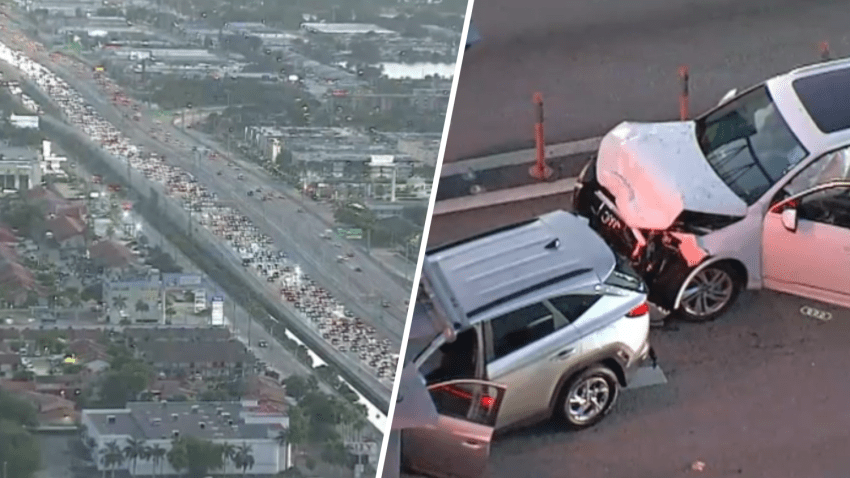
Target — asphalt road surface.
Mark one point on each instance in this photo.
(761, 392)
(599, 62)
(296, 232)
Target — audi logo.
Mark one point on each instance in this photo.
(808, 311)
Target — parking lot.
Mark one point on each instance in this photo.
(340, 327)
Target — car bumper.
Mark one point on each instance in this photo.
(644, 355)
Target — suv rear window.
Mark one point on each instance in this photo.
(574, 306)
(825, 97)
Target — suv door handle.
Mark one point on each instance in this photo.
(472, 444)
(563, 354)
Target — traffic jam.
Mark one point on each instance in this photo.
(344, 331)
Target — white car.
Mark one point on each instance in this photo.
(755, 193)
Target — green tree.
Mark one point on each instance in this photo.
(157, 456)
(299, 426)
(244, 459)
(124, 383)
(178, 455)
(228, 454)
(19, 450)
(298, 387)
(111, 457)
(198, 457)
(119, 302)
(93, 292)
(17, 411)
(142, 306)
(133, 450)
(335, 453)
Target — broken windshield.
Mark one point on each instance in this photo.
(748, 144)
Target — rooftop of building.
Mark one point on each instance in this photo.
(185, 334)
(345, 28)
(176, 352)
(160, 420)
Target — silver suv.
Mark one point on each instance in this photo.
(547, 320)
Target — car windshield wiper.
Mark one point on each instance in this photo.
(735, 174)
(728, 157)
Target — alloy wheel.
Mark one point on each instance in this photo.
(588, 399)
(708, 292)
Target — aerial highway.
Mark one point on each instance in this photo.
(82, 108)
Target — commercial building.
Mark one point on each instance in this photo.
(159, 423)
(137, 299)
(20, 169)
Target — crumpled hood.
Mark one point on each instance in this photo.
(657, 170)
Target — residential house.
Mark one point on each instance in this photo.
(267, 392)
(66, 232)
(7, 237)
(87, 350)
(175, 334)
(208, 359)
(50, 409)
(111, 254)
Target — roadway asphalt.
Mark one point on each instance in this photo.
(297, 233)
(600, 62)
(761, 392)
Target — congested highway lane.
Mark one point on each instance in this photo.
(299, 231)
(599, 62)
(314, 304)
(761, 392)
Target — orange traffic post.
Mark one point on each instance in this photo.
(540, 170)
(824, 51)
(684, 94)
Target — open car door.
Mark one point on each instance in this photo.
(458, 445)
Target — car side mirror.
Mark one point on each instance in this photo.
(789, 219)
(728, 96)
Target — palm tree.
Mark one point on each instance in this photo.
(134, 450)
(111, 457)
(157, 454)
(228, 453)
(244, 458)
(119, 302)
(142, 306)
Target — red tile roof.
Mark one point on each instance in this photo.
(111, 253)
(65, 227)
(7, 236)
(14, 276)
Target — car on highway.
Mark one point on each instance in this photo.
(546, 320)
(262, 344)
(753, 194)
(227, 225)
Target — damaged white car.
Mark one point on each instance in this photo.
(755, 193)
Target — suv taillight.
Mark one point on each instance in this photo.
(638, 311)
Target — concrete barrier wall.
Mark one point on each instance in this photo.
(172, 220)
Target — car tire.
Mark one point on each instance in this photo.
(725, 282)
(588, 397)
